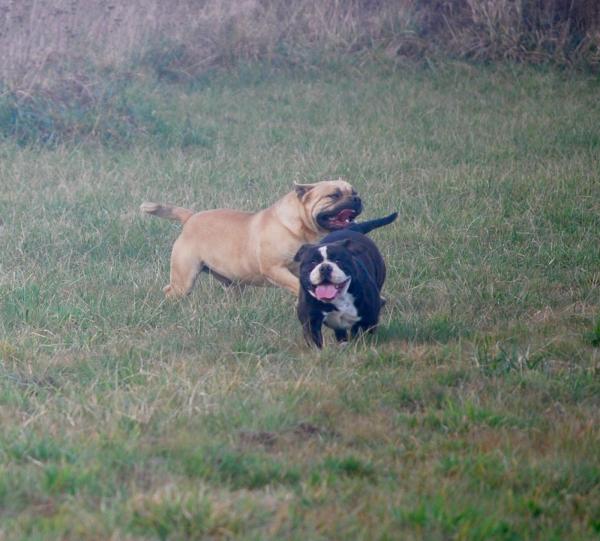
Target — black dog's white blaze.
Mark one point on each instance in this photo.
(333, 289)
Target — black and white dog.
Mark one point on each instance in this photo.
(340, 282)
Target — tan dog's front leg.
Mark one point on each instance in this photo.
(283, 277)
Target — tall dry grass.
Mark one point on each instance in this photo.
(67, 66)
(182, 38)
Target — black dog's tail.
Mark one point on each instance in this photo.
(368, 226)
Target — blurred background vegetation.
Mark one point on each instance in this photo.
(74, 70)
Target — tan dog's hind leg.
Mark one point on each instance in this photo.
(184, 270)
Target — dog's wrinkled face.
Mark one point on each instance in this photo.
(331, 204)
(326, 271)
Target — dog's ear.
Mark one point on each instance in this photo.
(302, 251)
(302, 189)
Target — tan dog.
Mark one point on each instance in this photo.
(255, 248)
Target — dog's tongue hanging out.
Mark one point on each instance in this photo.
(325, 292)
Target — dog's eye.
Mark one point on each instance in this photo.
(335, 195)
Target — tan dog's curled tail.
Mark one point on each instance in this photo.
(167, 211)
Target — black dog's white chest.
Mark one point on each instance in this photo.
(345, 314)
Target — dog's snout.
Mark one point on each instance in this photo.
(325, 271)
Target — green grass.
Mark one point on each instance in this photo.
(473, 414)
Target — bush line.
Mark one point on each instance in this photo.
(72, 71)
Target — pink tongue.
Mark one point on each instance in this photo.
(325, 292)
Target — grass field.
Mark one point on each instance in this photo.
(472, 415)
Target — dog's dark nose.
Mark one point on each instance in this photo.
(325, 271)
(356, 200)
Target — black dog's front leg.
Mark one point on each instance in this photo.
(312, 331)
(360, 328)
(341, 335)
(312, 322)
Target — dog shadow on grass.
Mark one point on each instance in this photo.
(433, 330)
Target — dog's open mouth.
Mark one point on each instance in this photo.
(328, 291)
(339, 220)
(342, 218)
